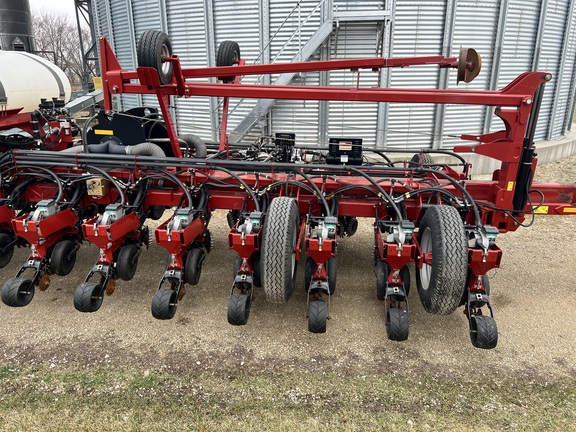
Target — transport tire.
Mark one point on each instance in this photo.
(238, 309)
(164, 304)
(6, 249)
(317, 316)
(127, 262)
(88, 297)
(228, 55)
(397, 324)
(63, 257)
(278, 260)
(483, 331)
(153, 47)
(441, 284)
(18, 292)
(193, 266)
(422, 159)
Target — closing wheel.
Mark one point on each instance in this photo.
(278, 260)
(18, 292)
(164, 304)
(88, 297)
(317, 316)
(127, 262)
(483, 331)
(238, 309)
(153, 48)
(63, 257)
(228, 55)
(441, 284)
(397, 324)
(381, 269)
(193, 265)
(6, 249)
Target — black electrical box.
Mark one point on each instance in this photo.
(285, 143)
(345, 151)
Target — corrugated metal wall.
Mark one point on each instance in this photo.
(512, 36)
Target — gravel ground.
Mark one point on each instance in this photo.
(533, 296)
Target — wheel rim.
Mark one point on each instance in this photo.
(166, 66)
(294, 243)
(426, 270)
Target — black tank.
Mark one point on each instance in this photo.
(16, 26)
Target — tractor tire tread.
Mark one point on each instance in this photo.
(277, 250)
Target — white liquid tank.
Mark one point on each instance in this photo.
(26, 78)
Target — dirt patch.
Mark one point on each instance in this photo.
(533, 296)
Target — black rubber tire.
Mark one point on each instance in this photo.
(278, 260)
(63, 257)
(405, 276)
(238, 309)
(330, 272)
(6, 257)
(164, 304)
(88, 297)
(156, 212)
(127, 262)
(228, 54)
(236, 268)
(196, 146)
(257, 275)
(441, 285)
(381, 270)
(317, 316)
(309, 269)
(421, 159)
(152, 46)
(193, 265)
(331, 269)
(18, 292)
(397, 324)
(485, 281)
(483, 332)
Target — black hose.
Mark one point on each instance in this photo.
(53, 175)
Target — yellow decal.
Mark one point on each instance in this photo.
(97, 82)
(510, 186)
(103, 132)
(569, 209)
(541, 210)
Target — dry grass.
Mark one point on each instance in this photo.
(121, 399)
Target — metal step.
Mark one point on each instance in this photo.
(264, 105)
